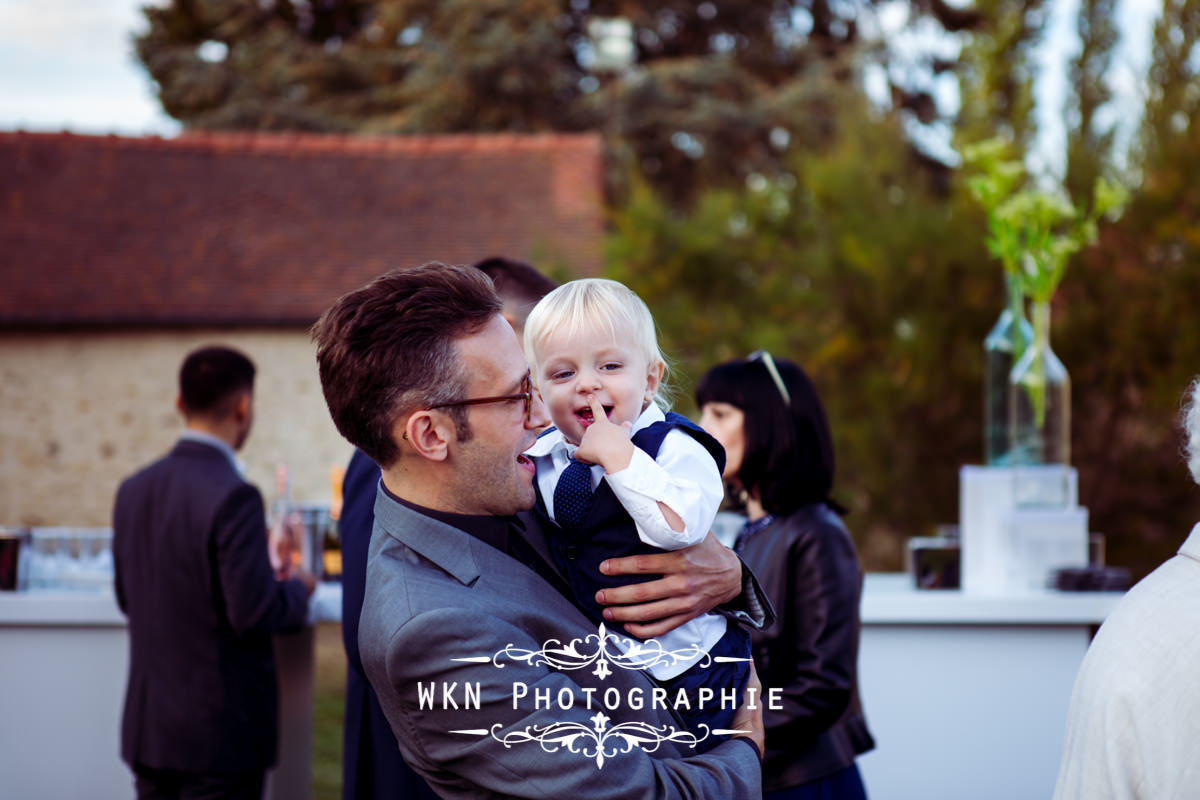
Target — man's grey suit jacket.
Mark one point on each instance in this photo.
(436, 595)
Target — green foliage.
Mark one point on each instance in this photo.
(716, 91)
(1173, 86)
(849, 263)
(854, 266)
(1126, 325)
(1051, 230)
(329, 707)
(997, 70)
(996, 182)
(1090, 141)
(758, 201)
(1126, 328)
(1033, 231)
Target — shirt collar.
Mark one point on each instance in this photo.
(192, 435)
(487, 529)
(552, 438)
(1191, 546)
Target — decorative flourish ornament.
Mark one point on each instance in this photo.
(599, 742)
(602, 649)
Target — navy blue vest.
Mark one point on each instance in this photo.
(609, 531)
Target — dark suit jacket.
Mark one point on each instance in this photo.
(193, 576)
(372, 767)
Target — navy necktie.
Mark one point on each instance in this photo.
(573, 495)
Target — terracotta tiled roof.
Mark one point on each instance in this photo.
(270, 228)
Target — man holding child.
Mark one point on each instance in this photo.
(422, 373)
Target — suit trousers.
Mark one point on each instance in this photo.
(173, 784)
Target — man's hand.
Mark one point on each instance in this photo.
(307, 578)
(694, 580)
(282, 548)
(605, 443)
(748, 719)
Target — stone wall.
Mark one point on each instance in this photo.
(81, 410)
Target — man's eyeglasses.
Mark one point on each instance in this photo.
(769, 363)
(525, 394)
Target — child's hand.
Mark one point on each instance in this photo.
(603, 442)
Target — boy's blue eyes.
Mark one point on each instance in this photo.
(563, 374)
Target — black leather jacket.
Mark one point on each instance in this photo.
(807, 565)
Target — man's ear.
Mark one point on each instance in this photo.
(242, 407)
(427, 432)
(179, 405)
(654, 375)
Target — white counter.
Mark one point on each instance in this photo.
(966, 695)
(64, 659)
(890, 599)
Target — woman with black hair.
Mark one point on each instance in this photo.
(779, 461)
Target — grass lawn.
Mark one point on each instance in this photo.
(329, 702)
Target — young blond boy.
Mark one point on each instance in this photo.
(617, 476)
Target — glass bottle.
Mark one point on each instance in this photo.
(1005, 344)
(1040, 400)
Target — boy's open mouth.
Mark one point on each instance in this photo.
(586, 416)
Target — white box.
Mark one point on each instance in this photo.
(1043, 540)
(987, 498)
(1045, 486)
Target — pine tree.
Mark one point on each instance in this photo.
(714, 91)
(1090, 146)
(997, 72)
(1126, 325)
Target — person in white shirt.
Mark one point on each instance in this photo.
(617, 477)
(1133, 728)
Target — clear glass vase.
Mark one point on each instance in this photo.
(1005, 344)
(1040, 400)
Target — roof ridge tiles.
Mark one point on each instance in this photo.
(266, 228)
(303, 144)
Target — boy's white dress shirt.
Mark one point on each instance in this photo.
(685, 478)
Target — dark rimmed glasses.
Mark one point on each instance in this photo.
(769, 363)
(525, 394)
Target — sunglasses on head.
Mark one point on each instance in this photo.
(769, 363)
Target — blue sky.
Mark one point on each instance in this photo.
(69, 65)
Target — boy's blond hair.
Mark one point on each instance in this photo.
(595, 305)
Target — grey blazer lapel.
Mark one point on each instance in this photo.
(444, 545)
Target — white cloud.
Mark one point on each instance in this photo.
(69, 25)
(70, 65)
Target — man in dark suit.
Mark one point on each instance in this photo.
(422, 373)
(372, 767)
(195, 581)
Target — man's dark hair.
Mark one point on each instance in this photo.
(788, 455)
(211, 377)
(388, 348)
(516, 280)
